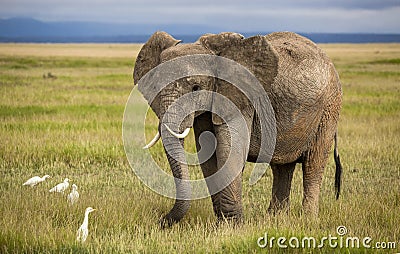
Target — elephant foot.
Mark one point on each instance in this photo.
(234, 221)
(226, 215)
(279, 207)
(167, 221)
(282, 182)
(310, 207)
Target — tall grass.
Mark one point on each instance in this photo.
(71, 127)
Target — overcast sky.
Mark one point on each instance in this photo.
(375, 16)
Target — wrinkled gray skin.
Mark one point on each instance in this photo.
(304, 90)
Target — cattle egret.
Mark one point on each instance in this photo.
(83, 230)
(61, 187)
(35, 180)
(74, 195)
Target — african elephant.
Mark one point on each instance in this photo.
(303, 88)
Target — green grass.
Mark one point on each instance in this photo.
(71, 127)
(13, 62)
(387, 61)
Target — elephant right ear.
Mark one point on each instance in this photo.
(149, 55)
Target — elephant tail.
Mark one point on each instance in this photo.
(339, 169)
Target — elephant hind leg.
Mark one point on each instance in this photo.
(282, 181)
(314, 162)
(313, 169)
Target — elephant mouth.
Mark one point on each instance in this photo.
(175, 134)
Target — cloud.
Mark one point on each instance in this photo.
(313, 20)
(238, 15)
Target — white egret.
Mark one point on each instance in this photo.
(35, 180)
(61, 187)
(74, 195)
(83, 230)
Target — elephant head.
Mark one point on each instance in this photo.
(174, 122)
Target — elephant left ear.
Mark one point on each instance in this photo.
(262, 60)
(257, 55)
(219, 42)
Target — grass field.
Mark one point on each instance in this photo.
(70, 126)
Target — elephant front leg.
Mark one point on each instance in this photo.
(226, 203)
(281, 186)
(230, 201)
(231, 157)
(203, 124)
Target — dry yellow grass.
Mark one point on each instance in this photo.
(335, 51)
(70, 50)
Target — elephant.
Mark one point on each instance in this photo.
(304, 90)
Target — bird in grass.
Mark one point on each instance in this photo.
(61, 187)
(74, 195)
(35, 180)
(83, 230)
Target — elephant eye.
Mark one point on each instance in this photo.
(196, 88)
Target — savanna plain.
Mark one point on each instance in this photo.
(61, 111)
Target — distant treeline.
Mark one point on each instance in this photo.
(316, 37)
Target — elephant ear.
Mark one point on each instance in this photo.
(149, 55)
(259, 57)
(218, 42)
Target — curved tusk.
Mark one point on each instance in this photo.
(182, 135)
(153, 141)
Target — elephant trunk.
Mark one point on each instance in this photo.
(174, 149)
